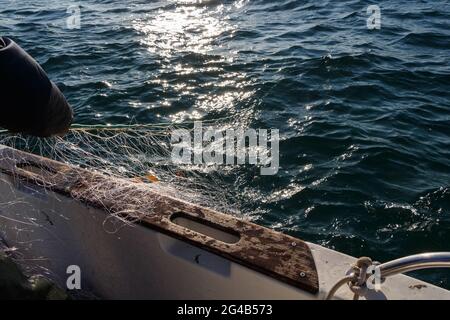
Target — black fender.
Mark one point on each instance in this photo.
(29, 102)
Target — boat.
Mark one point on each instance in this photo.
(131, 241)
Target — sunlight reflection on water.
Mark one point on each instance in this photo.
(184, 36)
(184, 28)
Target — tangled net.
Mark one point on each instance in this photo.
(133, 158)
(139, 153)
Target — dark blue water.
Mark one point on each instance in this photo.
(364, 115)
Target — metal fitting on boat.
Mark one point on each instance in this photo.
(415, 262)
(358, 276)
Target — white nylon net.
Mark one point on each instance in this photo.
(142, 155)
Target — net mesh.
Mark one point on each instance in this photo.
(139, 153)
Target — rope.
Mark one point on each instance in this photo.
(125, 127)
(339, 284)
(356, 280)
(111, 127)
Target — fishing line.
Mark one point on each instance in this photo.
(140, 154)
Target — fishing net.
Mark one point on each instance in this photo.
(140, 154)
(132, 157)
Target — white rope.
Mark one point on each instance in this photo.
(356, 280)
